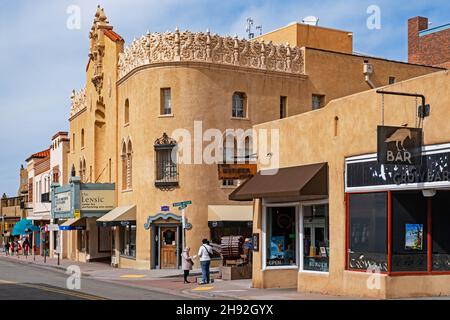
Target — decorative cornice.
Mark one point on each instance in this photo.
(78, 101)
(165, 141)
(203, 47)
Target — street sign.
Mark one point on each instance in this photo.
(52, 227)
(165, 208)
(182, 207)
(182, 203)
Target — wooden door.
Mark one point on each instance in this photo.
(169, 247)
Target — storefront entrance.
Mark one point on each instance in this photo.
(166, 240)
(168, 249)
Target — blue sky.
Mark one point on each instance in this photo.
(42, 60)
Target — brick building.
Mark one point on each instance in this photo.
(428, 46)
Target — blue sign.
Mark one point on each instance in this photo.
(182, 203)
(165, 208)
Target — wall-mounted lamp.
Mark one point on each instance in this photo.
(429, 193)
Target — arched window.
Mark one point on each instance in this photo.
(239, 105)
(124, 165)
(73, 142)
(83, 169)
(82, 138)
(129, 165)
(127, 112)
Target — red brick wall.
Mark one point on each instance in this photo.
(431, 49)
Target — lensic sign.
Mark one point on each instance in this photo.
(399, 145)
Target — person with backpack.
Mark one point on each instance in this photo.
(205, 254)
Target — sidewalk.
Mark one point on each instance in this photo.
(171, 281)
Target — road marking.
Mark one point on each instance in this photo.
(202, 288)
(55, 290)
(218, 291)
(134, 276)
(62, 291)
(7, 282)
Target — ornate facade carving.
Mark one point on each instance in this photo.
(204, 47)
(165, 141)
(78, 101)
(97, 47)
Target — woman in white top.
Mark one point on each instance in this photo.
(205, 253)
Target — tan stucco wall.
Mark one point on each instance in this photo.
(303, 35)
(336, 75)
(310, 138)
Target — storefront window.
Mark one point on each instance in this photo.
(368, 231)
(221, 229)
(281, 236)
(409, 229)
(440, 232)
(128, 236)
(316, 244)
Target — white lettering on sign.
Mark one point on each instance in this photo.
(97, 200)
(402, 156)
(62, 202)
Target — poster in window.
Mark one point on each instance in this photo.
(277, 247)
(413, 236)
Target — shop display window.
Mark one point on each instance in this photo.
(409, 230)
(281, 236)
(415, 220)
(368, 231)
(128, 237)
(440, 231)
(316, 244)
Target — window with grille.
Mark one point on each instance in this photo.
(166, 164)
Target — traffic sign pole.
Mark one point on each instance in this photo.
(183, 223)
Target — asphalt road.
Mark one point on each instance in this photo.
(19, 281)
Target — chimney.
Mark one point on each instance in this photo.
(415, 25)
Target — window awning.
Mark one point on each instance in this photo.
(301, 182)
(230, 213)
(74, 224)
(119, 216)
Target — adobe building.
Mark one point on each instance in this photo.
(359, 203)
(428, 46)
(125, 124)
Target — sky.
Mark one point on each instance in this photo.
(42, 60)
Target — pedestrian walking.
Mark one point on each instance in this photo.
(186, 263)
(7, 247)
(26, 246)
(19, 248)
(11, 248)
(205, 254)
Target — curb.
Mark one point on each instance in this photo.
(39, 265)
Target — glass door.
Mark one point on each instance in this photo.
(314, 237)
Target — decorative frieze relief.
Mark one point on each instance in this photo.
(204, 47)
(78, 101)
